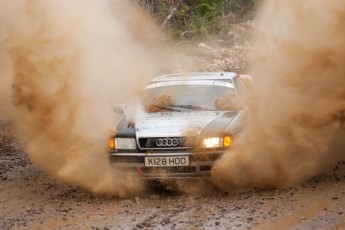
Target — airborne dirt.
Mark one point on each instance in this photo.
(30, 199)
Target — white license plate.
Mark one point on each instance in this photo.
(166, 161)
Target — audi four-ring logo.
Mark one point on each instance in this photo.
(166, 142)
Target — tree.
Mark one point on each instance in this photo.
(197, 18)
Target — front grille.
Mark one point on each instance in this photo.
(162, 170)
(163, 142)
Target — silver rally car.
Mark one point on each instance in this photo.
(190, 120)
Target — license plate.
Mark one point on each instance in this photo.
(166, 161)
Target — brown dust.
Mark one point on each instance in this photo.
(296, 126)
(62, 69)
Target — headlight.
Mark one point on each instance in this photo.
(213, 142)
(125, 143)
(217, 142)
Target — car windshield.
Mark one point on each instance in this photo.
(189, 96)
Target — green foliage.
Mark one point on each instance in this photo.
(206, 9)
(196, 19)
(199, 18)
(162, 9)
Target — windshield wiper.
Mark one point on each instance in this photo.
(169, 108)
(192, 107)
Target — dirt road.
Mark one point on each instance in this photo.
(30, 199)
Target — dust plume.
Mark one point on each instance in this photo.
(64, 64)
(296, 127)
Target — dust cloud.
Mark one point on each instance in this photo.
(63, 66)
(296, 126)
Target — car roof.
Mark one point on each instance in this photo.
(196, 76)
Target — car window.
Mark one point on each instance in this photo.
(189, 97)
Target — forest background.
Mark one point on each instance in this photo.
(198, 19)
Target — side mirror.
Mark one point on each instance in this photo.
(119, 108)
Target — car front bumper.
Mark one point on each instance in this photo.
(134, 163)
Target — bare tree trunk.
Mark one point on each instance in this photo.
(172, 12)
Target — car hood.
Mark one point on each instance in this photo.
(181, 123)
